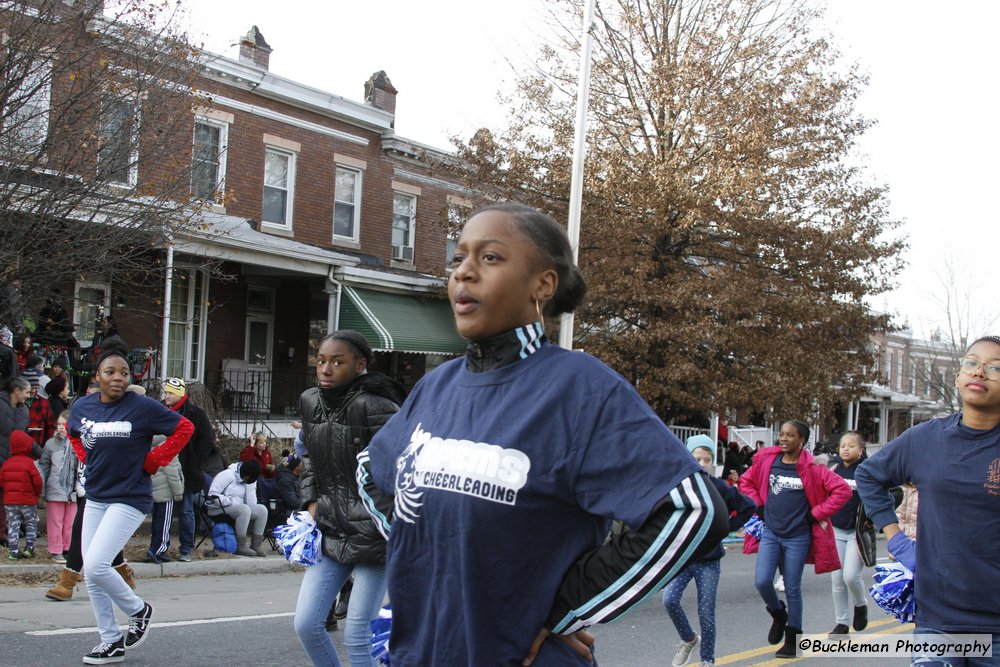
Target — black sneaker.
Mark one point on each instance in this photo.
(138, 627)
(105, 653)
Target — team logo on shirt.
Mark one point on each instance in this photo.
(477, 469)
(90, 431)
(781, 482)
(993, 478)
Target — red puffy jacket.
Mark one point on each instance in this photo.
(19, 478)
(825, 490)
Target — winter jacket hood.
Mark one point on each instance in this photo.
(19, 477)
(825, 490)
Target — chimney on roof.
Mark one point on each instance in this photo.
(254, 50)
(380, 93)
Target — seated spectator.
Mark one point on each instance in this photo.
(286, 490)
(258, 451)
(233, 492)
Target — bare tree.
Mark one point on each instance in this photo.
(728, 241)
(95, 155)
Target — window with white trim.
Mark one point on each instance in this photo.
(118, 151)
(208, 159)
(347, 204)
(404, 213)
(279, 187)
(26, 121)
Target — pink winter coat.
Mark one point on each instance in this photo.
(825, 490)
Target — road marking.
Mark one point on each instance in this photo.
(755, 652)
(166, 624)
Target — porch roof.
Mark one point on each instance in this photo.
(232, 238)
(396, 322)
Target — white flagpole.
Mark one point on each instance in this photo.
(579, 153)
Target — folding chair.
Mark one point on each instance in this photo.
(265, 496)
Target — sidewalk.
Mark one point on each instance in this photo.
(135, 554)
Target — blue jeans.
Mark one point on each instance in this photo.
(185, 521)
(706, 579)
(933, 661)
(106, 530)
(320, 586)
(791, 553)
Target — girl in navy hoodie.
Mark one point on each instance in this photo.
(847, 581)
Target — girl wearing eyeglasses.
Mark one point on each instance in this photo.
(955, 463)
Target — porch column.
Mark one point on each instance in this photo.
(333, 291)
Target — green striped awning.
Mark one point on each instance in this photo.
(395, 322)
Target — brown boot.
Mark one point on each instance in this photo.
(63, 590)
(128, 574)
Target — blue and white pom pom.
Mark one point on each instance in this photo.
(754, 527)
(893, 591)
(299, 539)
(381, 628)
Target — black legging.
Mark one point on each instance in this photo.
(74, 557)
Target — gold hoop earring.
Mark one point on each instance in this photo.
(538, 311)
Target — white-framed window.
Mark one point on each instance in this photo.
(91, 301)
(279, 187)
(404, 214)
(208, 159)
(26, 122)
(118, 151)
(347, 204)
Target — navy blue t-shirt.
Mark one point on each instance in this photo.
(957, 472)
(847, 516)
(787, 509)
(502, 480)
(117, 437)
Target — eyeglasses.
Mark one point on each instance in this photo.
(991, 369)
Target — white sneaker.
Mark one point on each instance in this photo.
(707, 663)
(780, 586)
(684, 651)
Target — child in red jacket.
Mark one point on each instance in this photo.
(22, 485)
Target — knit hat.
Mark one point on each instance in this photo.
(31, 375)
(175, 386)
(292, 461)
(55, 386)
(701, 440)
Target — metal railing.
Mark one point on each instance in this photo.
(249, 399)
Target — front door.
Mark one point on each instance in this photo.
(259, 344)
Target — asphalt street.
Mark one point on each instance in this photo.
(246, 619)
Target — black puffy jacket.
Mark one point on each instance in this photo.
(334, 433)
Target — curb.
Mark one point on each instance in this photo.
(208, 566)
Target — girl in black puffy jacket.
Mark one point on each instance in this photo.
(339, 418)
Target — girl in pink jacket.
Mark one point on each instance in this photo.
(795, 499)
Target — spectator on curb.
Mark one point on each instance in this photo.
(168, 488)
(41, 420)
(286, 488)
(60, 471)
(22, 485)
(193, 459)
(13, 417)
(58, 395)
(257, 450)
(234, 493)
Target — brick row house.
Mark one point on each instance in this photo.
(314, 216)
